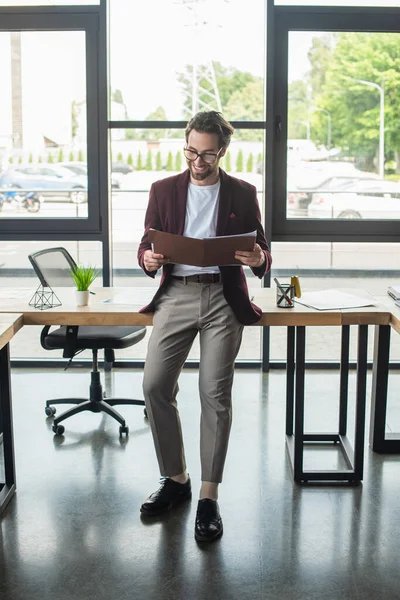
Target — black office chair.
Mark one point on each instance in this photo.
(53, 266)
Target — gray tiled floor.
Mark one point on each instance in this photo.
(74, 531)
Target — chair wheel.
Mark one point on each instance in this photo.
(58, 429)
(50, 411)
(145, 413)
(123, 429)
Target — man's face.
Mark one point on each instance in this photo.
(201, 172)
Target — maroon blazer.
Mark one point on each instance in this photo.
(238, 212)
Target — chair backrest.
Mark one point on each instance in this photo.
(53, 267)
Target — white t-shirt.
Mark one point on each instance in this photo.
(200, 221)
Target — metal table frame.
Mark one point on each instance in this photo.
(379, 440)
(7, 489)
(297, 439)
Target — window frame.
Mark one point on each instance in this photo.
(311, 18)
(86, 19)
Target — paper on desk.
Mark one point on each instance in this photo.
(15, 293)
(132, 298)
(334, 299)
(205, 252)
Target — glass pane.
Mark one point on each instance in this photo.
(43, 170)
(17, 273)
(194, 63)
(342, 148)
(48, 2)
(379, 3)
(323, 266)
(137, 161)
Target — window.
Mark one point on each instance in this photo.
(47, 2)
(49, 75)
(347, 3)
(337, 112)
(190, 58)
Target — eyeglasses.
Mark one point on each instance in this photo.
(207, 157)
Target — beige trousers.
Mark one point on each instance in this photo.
(181, 313)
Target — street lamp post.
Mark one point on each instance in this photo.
(329, 135)
(381, 122)
(307, 126)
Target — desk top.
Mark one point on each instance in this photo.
(9, 325)
(394, 314)
(106, 308)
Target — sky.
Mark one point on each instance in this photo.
(53, 75)
(381, 3)
(151, 41)
(144, 59)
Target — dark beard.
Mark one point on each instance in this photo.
(201, 176)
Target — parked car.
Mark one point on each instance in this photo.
(307, 178)
(121, 167)
(368, 199)
(52, 181)
(80, 168)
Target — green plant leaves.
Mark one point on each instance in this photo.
(83, 277)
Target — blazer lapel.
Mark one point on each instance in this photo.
(180, 200)
(225, 200)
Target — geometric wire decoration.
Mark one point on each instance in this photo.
(44, 298)
(52, 265)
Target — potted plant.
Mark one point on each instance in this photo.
(83, 278)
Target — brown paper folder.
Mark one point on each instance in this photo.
(205, 252)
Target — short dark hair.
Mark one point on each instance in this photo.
(211, 122)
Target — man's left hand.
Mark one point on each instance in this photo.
(253, 259)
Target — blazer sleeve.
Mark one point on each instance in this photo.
(254, 223)
(151, 221)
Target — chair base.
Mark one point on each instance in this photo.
(95, 403)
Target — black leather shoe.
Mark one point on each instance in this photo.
(208, 525)
(169, 494)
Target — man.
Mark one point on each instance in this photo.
(213, 302)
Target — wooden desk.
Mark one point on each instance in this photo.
(100, 313)
(295, 319)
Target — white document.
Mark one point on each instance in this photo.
(334, 299)
(15, 293)
(132, 298)
(235, 235)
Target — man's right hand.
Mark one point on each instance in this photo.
(152, 261)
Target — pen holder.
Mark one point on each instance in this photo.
(285, 295)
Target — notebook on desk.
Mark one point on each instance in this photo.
(335, 300)
(394, 291)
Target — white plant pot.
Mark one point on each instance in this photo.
(82, 298)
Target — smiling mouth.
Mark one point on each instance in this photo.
(200, 169)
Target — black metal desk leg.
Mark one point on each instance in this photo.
(290, 380)
(299, 404)
(359, 435)
(380, 374)
(344, 379)
(7, 489)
